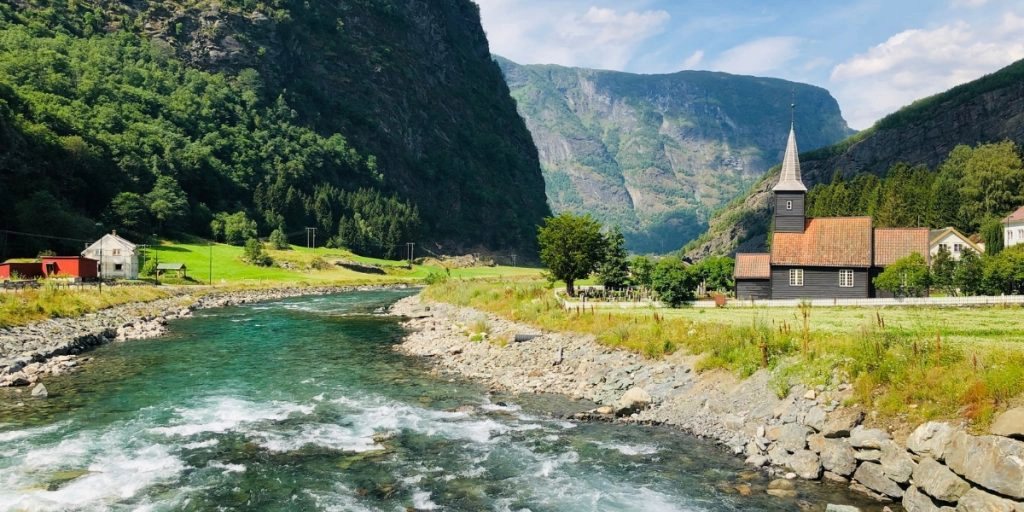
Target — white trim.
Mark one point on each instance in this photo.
(796, 277)
(846, 278)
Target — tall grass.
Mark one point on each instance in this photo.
(904, 374)
(27, 306)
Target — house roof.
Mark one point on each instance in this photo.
(753, 266)
(1016, 216)
(938, 234)
(789, 177)
(170, 266)
(110, 238)
(893, 244)
(825, 242)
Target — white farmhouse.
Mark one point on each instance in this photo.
(954, 242)
(118, 257)
(1013, 228)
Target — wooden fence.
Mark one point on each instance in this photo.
(584, 305)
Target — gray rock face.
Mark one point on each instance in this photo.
(938, 481)
(805, 464)
(930, 439)
(841, 422)
(870, 475)
(976, 500)
(896, 462)
(916, 501)
(872, 438)
(839, 457)
(993, 462)
(791, 437)
(1010, 424)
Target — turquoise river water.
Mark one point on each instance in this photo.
(302, 404)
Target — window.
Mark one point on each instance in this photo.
(789, 205)
(957, 248)
(796, 277)
(118, 267)
(846, 278)
(116, 252)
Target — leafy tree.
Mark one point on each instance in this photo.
(255, 254)
(993, 182)
(970, 273)
(1004, 272)
(130, 213)
(992, 234)
(945, 206)
(167, 201)
(943, 269)
(673, 282)
(234, 229)
(278, 240)
(613, 273)
(640, 271)
(716, 272)
(571, 247)
(906, 277)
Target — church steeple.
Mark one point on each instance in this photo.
(790, 191)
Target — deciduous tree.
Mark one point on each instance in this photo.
(571, 247)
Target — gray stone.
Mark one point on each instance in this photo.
(816, 443)
(757, 460)
(871, 476)
(1010, 424)
(993, 462)
(828, 475)
(832, 507)
(841, 422)
(634, 400)
(816, 418)
(930, 439)
(896, 462)
(791, 437)
(871, 455)
(781, 488)
(976, 500)
(39, 391)
(916, 501)
(778, 455)
(805, 464)
(938, 481)
(838, 457)
(861, 437)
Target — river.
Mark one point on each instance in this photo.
(302, 404)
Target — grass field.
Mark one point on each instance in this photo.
(909, 364)
(26, 306)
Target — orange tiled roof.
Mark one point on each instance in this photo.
(826, 242)
(1016, 216)
(753, 266)
(896, 243)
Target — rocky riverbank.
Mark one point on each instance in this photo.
(808, 434)
(30, 353)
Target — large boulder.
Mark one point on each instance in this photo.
(896, 462)
(870, 475)
(930, 439)
(916, 501)
(993, 462)
(938, 481)
(838, 457)
(634, 400)
(40, 391)
(976, 500)
(870, 438)
(841, 422)
(791, 437)
(816, 418)
(805, 464)
(1010, 424)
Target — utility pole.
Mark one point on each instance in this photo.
(311, 239)
(211, 262)
(156, 255)
(410, 251)
(513, 258)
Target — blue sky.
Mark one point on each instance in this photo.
(873, 55)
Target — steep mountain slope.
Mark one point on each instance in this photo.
(401, 98)
(990, 109)
(656, 154)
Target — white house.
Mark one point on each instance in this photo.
(118, 257)
(1013, 228)
(954, 241)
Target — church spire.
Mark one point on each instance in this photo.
(789, 178)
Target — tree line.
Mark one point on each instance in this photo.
(973, 274)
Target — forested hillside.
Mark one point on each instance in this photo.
(925, 133)
(657, 154)
(377, 122)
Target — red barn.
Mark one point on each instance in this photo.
(70, 266)
(23, 270)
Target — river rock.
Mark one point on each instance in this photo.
(634, 400)
(976, 500)
(938, 481)
(871, 476)
(805, 464)
(916, 501)
(993, 462)
(757, 460)
(40, 391)
(897, 464)
(1010, 424)
(838, 457)
(831, 507)
(778, 455)
(782, 488)
(872, 438)
(816, 443)
(841, 422)
(930, 439)
(791, 437)
(870, 455)
(816, 418)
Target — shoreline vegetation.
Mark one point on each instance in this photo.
(908, 365)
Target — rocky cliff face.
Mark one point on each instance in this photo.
(657, 154)
(990, 109)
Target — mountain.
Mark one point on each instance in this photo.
(656, 154)
(341, 115)
(990, 109)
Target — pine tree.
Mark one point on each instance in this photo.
(614, 272)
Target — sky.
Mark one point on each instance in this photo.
(874, 56)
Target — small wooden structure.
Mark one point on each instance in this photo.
(70, 266)
(20, 270)
(179, 268)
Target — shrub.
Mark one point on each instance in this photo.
(279, 241)
(255, 254)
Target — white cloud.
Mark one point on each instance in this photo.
(917, 63)
(566, 33)
(693, 60)
(759, 57)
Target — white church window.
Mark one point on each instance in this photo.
(789, 205)
(796, 277)
(846, 278)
